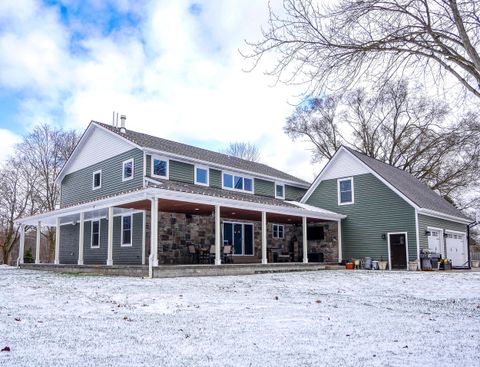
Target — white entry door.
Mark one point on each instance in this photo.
(435, 241)
(457, 248)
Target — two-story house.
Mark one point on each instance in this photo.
(126, 195)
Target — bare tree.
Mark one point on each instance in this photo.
(402, 127)
(336, 47)
(41, 155)
(15, 202)
(248, 151)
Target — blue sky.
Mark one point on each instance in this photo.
(172, 66)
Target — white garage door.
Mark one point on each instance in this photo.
(434, 241)
(457, 248)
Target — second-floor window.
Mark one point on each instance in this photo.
(345, 191)
(280, 191)
(128, 168)
(159, 167)
(97, 180)
(201, 175)
(237, 182)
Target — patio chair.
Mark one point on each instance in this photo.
(192, 253)
(211, 254)
(227, 254)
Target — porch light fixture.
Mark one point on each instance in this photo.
(445, 235)
(233, 213)
(384, 236)
(427, 233)
(196, 209)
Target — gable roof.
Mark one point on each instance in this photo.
(406, 185)
(188, 151)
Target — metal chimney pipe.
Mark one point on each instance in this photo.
(123, 118)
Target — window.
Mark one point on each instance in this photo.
(127, 170)
(278, 231)
(345, 191)
(159, 167)
(95, 238)
(201, 175)
(97, 180)
(236, 182)
(126, 231)
(280, 191)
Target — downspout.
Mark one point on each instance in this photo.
(471, 225)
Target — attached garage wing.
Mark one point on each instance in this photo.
(457, 249)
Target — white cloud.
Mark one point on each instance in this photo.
(8, 140)
(175, 75)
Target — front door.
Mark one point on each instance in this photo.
(240, 236)
(398, 250)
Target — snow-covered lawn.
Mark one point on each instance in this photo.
(339, 318)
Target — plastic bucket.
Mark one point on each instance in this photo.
(367, 263)
(349, 266)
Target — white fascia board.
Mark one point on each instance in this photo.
(435, 214)
(317, 209)
(317, 180)
(222, 167)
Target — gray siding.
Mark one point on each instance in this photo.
(294, 193)
(425, 221)
(377, 210)
(215, 178)
(69, 244)
(77, 186)
(148, 165)
(180, 171)
(264, 188)
(131, 255)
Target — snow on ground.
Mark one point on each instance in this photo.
(325, 318)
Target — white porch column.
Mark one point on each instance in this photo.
(218, 236)
(81, 236)
(305, 243)
(339, 240)
(21, 248)
(264, 237)
(110, 237)
(37, 247)
(154, 230)
(57, 241)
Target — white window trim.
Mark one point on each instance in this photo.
(160, 158)
(121, 230)
(208, 175)
(238, 175)
(273, 231)
(338, 191)
(99, 232)
(93, 180)
(279, 184)
(123, 170)
(243, 236)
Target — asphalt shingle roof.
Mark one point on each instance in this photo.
(169, 146)
(411, 187)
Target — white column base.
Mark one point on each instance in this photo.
(56, 262)
(37, 261)
(80, 262)
(218, 262)
(264, 261)
(109, 262)
(155, 262)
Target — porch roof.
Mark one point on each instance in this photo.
(180, 192)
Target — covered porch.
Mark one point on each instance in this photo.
(171, 227)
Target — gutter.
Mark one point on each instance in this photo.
(470, 225)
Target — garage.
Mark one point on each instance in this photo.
(456, 244)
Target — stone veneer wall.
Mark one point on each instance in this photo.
(176, 231)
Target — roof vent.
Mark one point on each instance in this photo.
(123, 118)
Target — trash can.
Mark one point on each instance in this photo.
(367, 263)
(374, 265)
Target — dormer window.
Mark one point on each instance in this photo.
(345, 191)
(128, 168)
(237, 182)
(279, 191)
(97, 180)
(160, 167)
(201, 175)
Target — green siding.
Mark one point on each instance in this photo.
(180, 171)
(377, 210)
(425, 221)
(264, 188)
(77, 186)
(215, 178)
(294, 193)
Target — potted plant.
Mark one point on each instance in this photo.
(382, 264)
(445, 264)
(475, 263)
(413, 265)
